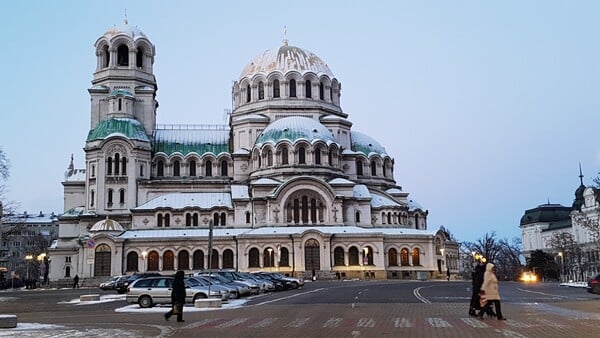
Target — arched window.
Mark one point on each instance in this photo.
(331, 93)
(416, 221)
(188, 220)
(308, 89)
(301, 155)
(160, 169)
(329, 157)
(284, 155)
(120, 104)
(321, 91)
(216, 218)
(224, 172)
(228, 259)
(353, 256)
(416, 254)
(373, 168)
(139, 58)
(269, 158)
(261, 91)
(268, 258)
(192, 168)
(132, 261)
(338, 256)
(214, 264)
(122, 56)
(253, 258)
(183, 260)
(109, 164)
(198, 260)
(392, 257)
(248, 93)
(359, 168)
(368, 255)
(141, 170)
(159, 220)
(110, 197)
(167, 220)
(304, 209)
(247, 217)
(276, 88)
(122, 196)
(318, 156)
(168, 260)
(176, 168)
(124, 166)
(404, 257)
(92, 198)
(284, 257)
(106, 55)
(195, 219)
(357, 217)
(208, 168)
(384, 168)
(292, 88)
(223, 218)
(389, 218)
(117, 164)
(152, 261)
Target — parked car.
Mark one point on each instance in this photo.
(157, 290)
(110, 284)
(199, 281)
(122, 283)
(296, 282)
(594, 285)
(280, 284)
(243, 288)
(234, 290)
(233, 276)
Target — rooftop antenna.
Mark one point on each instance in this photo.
(548, 200)
(580, 174)
(285, 40)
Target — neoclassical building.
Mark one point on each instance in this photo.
(288, 185)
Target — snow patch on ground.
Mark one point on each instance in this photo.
(232, 304)
(103, 299)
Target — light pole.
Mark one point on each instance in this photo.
(270, 250)
(144, 256)
(562, 265)
(27, 259)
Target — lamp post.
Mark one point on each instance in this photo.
(28, 258)
(144, 256)
(562, 265)
(270, 250)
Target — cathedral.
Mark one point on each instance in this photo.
(287, 185)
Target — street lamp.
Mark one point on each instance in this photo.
(27, 259)
(270, 250)
(562, 265)
(144, 256)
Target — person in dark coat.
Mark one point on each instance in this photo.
(477, 277)
(177, 297)
(76, 281)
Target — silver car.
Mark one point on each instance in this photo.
(157, 290)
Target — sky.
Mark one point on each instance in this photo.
(488, 108)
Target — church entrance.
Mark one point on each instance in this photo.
(312, 258)
(102, 261)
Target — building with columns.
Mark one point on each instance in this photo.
(288, 185)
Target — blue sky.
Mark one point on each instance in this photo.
(487, 107)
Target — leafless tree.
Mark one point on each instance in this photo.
(506, 256)
(572, 254)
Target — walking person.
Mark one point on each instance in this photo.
(177, 297)
(490, 292)
(477, 280)
(76, 281)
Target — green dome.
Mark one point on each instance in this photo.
(130, 128)
(366, 144)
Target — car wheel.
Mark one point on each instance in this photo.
(145, 301)
(294, 285)
(199, 296)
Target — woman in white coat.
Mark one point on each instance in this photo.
(490, 291)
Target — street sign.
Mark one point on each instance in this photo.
(91, 243)
(90, 261)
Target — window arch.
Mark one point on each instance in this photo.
(176, 168)
(160, 168)
(357, 217)
(192, 168)
(228, 259)
(224, 172)
(353, 256)
(183, 260)
(321, 91)
(368, 255)
(302, 155)
(152, 261)
(198, 260)
(117, 164)
(404, 257)
(110, 198)
(122, 196)
(276, 88)
(269, 158)
(216, 218)
(284, 257)
(248, 93)
(416, 254)
(92, 197)
(284, 155)
(308, 89)
(123, 55)
(168, 260)
(139, 58)
(106, 55)
(359, 168)
(109, 165)
(124, 166)
(253, 258)
(318, 156)
(247, 217)
(292, 88)
(223, 218)
(268, 258)
(373, 168)
(392, 257)
(208, 168)
(338, 256)
(261, 91)
(132, 261)
(214, 264)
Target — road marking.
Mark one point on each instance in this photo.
(438, 322)
(418, 295)
(402, 322)
(333, 322)
(548, 322)
(288, 297)
(355, 334)
(202, 322)
(474, 322)
(231, 323)
(297, 322)
(515, 323)
(366, 322)
(264, 323)
(509, 333)
(542, 293)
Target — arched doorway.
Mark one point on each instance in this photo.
(102, 261)
(312, 257)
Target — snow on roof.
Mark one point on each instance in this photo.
(360, 190)
(413, 205)
(295, 128)
(107, 225)
(378, 201)
(75, 175)
(366, 144)
(132, 31)
(251, 117)
(198, 139)
(239, 191)
(205, 200)
(394, 191)
(340, 181)
(286, 59)
(265, 231)
(25, 217)
(266, 181)
(241, 151)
